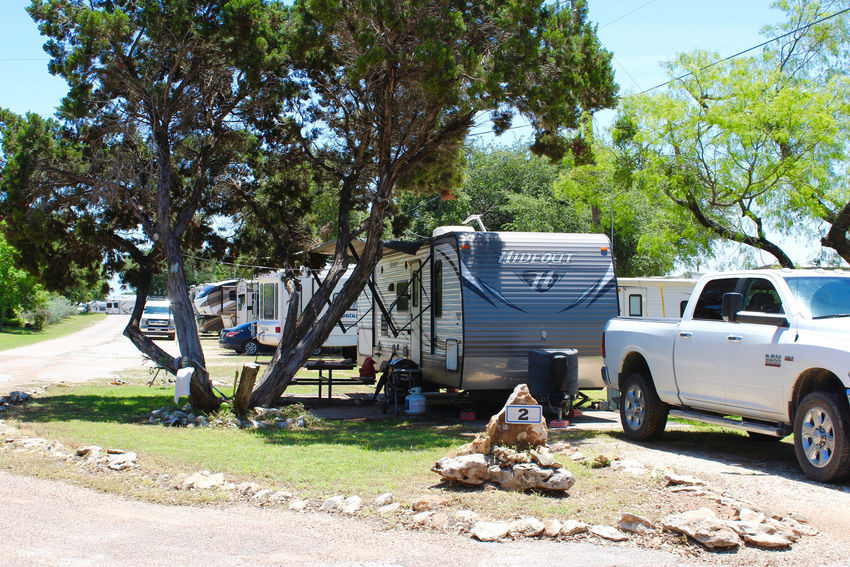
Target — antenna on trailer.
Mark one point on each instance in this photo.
(472, 218)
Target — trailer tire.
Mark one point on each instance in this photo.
(821, 427)
(642, 413)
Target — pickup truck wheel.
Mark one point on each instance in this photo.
(642, 413)
(821, 427)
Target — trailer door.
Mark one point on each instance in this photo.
(415, 289)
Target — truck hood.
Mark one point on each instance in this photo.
(835, 331)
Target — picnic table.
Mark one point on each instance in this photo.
(330, 366)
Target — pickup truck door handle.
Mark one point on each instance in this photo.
(734, 338)
(685, 335)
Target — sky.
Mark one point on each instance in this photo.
(641, 34)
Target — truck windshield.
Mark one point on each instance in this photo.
(157, 309)
(822, 297)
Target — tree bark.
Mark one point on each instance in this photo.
(836, 238)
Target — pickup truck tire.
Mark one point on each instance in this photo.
(821, 427)
(642, 413)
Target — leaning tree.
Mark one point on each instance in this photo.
(157, 95)
(381, 96)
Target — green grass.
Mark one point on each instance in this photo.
(362, 457)
(16, 337)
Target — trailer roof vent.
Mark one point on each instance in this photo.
(441, 230)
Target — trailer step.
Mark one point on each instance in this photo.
(777, 430)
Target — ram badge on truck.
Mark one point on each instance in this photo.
(764, 351)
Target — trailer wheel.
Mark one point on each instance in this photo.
(821, 426)
(642, 414)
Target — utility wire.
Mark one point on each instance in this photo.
(762, 44)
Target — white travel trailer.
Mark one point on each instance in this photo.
(247, 303)
(654, 297)
(274, 302)
(120, 304)
(475, 310)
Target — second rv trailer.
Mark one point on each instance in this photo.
(274, 301)
(468, 307)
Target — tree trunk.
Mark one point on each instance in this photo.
(132, 331)
(201, 395)
(836, 238)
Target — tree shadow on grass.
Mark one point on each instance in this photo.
(94, 408)
(382, 435)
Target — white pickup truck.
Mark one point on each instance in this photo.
(764, 351)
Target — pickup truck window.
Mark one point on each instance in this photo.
(822, 297)
(710, 303)
(761, 297)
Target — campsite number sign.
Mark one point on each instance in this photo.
(523, 414)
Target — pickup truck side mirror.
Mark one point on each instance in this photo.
(732, 303)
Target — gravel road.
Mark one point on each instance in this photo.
(97, 351)
(50, 523)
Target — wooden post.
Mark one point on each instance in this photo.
(242, 395)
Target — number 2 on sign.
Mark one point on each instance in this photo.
(523, 414)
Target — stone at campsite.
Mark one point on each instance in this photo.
(121, 461)
(332, 503)
(676, 479)
(90, 452)
(384, 499)
(552, 527)
(608, 532)
(31, 442)
(298, 505)
(764, 533)
(573, 527)
(748, 515)
(635, 524)
(560, 446)
(490, 531)
(470, 470)
(262, 495)
(352, 504)
(249, 488)
(529, 527)
(429, 502)
(280, 496)
(799, 528)
(389, 508)
(560, 481)
(577, 457)
(544, 457)
(629, 467)
(521, 436)
(203, 480)
(704, 527)
(422, 517)
(481, 444)
(466, 516)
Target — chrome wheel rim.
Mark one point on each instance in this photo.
(634, 407)
(817, 437)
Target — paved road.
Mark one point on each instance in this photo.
(94, 352)
(50, 524)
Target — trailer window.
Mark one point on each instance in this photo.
(402, 299)
(268, 297)
(437, 289)
(635, 305)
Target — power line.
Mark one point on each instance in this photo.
(615, 20)
(762, 44)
